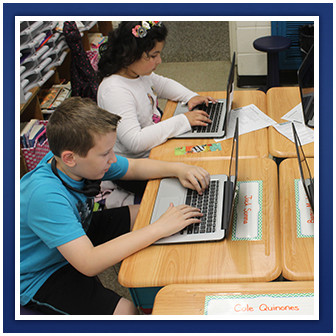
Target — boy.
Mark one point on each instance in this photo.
(63, 244)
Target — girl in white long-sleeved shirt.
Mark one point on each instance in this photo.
(131, 89)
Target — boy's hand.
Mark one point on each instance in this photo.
(192, 177)
(177, 218)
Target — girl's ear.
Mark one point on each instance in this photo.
(68, 157)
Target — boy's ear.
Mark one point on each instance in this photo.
(68, 157)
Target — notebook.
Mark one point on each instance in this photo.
(307, 180)
(306, 85)
(216, 203)
(219, 113)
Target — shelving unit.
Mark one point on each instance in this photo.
(31, 109)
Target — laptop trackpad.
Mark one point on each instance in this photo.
(170, 191)
(181, 108)
(162, 205)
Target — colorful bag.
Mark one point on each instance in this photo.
(34, 155)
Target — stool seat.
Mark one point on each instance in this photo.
(272, 45)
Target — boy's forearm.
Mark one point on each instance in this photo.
(114, 251)
(93, 260)
(146, 169)
(192, 177)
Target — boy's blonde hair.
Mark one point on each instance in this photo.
(75, 122)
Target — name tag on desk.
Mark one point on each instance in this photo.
(260, 304)
(247, 213)
(304, 213)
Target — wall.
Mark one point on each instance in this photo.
(201, 41)
(250, 62)
(196, 41)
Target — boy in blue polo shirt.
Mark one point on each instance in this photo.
(63, 243)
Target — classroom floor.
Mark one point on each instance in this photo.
(197, 76)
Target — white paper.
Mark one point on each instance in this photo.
(247, 218)
(251, 118)
(306, 134)
(304, 212)
(267, 304)
(295, 114)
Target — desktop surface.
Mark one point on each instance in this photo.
(297, 250)
(280, 100)
(211, 262)
(252, 145)
(189, 299)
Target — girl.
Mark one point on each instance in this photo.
(131, 89)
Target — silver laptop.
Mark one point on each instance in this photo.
(306, 178)
(306, 85)
(216, 204)
(219, 113)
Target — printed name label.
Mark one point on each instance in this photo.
(247, 215)
(263, 304)
(304, 212)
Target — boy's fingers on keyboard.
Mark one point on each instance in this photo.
(189, 211)
(206, 177)
(193, 220)
(195, 178)
(204, 181)
(187, 208)
(193, 217)
(196, 184)
(203, 178)
(204, 172)
(195, 213)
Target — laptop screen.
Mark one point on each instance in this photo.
(304, 168)
(233, 169)
(234, 153)
(229, 92)
(306, 85)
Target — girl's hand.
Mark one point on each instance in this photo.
(198, 118)
(197, 100)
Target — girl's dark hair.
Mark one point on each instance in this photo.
(123, 48)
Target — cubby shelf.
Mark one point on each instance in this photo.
(31, 108)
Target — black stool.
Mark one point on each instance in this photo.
(272, 45)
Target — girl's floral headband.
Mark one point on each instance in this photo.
(141, 31)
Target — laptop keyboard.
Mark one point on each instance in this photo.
(207, 203)
(214, 110)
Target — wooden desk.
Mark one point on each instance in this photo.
(190, 299)
(251, 145)
(281, 100)
(297, 253)
(211, 262)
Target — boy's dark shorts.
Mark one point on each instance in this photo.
(68, 291)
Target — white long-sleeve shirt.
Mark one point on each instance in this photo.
(136, 101)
